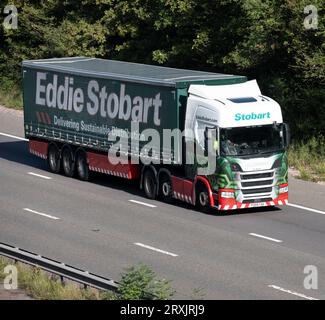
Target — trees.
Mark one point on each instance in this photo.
(288, 60)
(264, 39)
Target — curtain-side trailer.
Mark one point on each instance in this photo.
(161, 126)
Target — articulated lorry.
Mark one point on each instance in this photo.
(208, 139)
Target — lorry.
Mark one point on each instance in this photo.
(78, 109)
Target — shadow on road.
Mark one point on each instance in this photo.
(17, 151)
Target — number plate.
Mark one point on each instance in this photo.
(258, 204)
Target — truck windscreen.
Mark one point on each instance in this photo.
(255, 140)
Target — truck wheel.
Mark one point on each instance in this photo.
(150, 184)
(202, 199)
(68, 162)
(54, 158)
(82, 166)
(165, 188)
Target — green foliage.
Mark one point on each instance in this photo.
(10, 94)
(137, 283)
(309, 158)
(2, 266)
(40, 285)
(263, 39)
(140, 283)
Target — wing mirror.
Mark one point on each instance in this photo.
(286, 135)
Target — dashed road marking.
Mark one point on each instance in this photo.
(39, 175)
(41, 214)
(301, 295)
(12, 136)
(264, 237)
(143, 203)
(155, 249)
(305, 208)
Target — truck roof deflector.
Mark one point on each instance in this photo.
(223, 92)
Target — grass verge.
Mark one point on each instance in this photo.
(309, 159)
(137, 283)
(40, 285)
(11, 96)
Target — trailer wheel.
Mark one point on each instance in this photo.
(149, 184)
(68, 162)
(165, 188)
(54, 158)
(202, 198)
(82, 166)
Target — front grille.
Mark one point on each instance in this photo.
(256, 176)
(257, 183)
(254, 191)
(256, 186)
(257, 200)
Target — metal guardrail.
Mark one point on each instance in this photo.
(64, 271)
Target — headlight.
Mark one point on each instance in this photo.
(227, 194)
(283, 189)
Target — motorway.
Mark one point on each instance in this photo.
(106, 225)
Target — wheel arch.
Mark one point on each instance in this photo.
(164, 171)
(199, 180)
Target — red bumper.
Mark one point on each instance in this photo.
(232, 204)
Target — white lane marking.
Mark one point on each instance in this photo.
(144, 204)
(305, 208)
(13, 137)
(155, 249)
(264, 237)
(41, 214)
(39, 176)
(292, 292)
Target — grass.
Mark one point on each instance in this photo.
(40, 285)
(137, 283)
(309, 159)
(11, 95)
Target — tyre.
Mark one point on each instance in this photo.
(68, 163)
(149, 184)
(202, 198)
(54, 158)
(82, 166)
(165, 188)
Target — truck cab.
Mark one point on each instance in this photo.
(250, 140)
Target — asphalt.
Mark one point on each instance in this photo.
(98, 228)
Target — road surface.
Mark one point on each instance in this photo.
(106, 226)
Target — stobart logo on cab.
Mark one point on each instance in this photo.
(252, 116)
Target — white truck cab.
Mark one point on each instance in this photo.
(251, 140)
